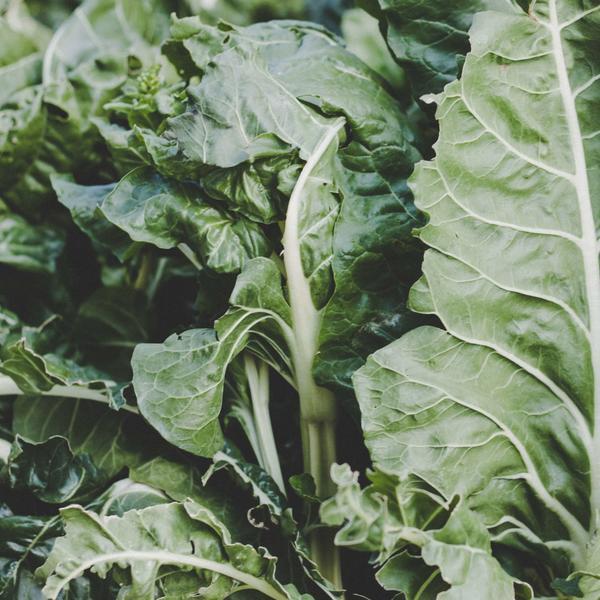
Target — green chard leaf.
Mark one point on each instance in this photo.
(339, 250)
(452, 562)
(48, 128)
(84, 201)
(51, 471)
(151, 542)
(180, 481)
(187, 414)
(25, 542)
(501, 408)
(269, 96)
(430, 40)
(363, 38)
(169, 214)
(111, 440)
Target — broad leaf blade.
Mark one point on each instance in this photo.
(167, 214)
(179, 384)
(51, 471)
(112, 440)
(430, 40)
(502, 408)
(150, 542)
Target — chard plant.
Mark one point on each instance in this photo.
(226, 164)
(271, 153)
(214, 288)
(485, 432)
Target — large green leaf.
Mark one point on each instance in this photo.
(87, 60)
(112, 440)
(168, 214)
(234, 148)
(151, 542)
(363, 38)
(51, 471)
(83, 201)
(25, 542)
(503, 408)
(181, 481)
(239, 111)
(179, 384)
(374, 257)
(458, 553)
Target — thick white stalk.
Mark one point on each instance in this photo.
(9, 388)
(258, 381)
(317, 405)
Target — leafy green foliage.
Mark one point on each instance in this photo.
(167, 214)
(50, 470)
(104, 126)
(151, 542)
(499, 409)
(209, 219)
(431, 40)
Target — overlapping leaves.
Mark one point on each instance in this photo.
(499, 408)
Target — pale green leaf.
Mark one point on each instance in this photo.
(502, 407)
(179, 384)
(150, 542)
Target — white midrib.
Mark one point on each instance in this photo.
(9, 388)
(589, 247)
(258, 382)
(305, 317)
(168, 558)
(317, 405)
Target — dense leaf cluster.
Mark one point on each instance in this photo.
(225, 270)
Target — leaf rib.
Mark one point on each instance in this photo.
(574, 527)
(536, 163)
(569, 403)
(588, 228)
(174, 559)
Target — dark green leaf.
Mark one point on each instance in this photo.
(168, 214)
(51, 471)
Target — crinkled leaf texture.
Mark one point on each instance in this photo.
(179, 384)
(502, 408)
(83, 201)
(260, 110)
(166, 213)
(150, 542)
(51, 471)
(431, 39)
